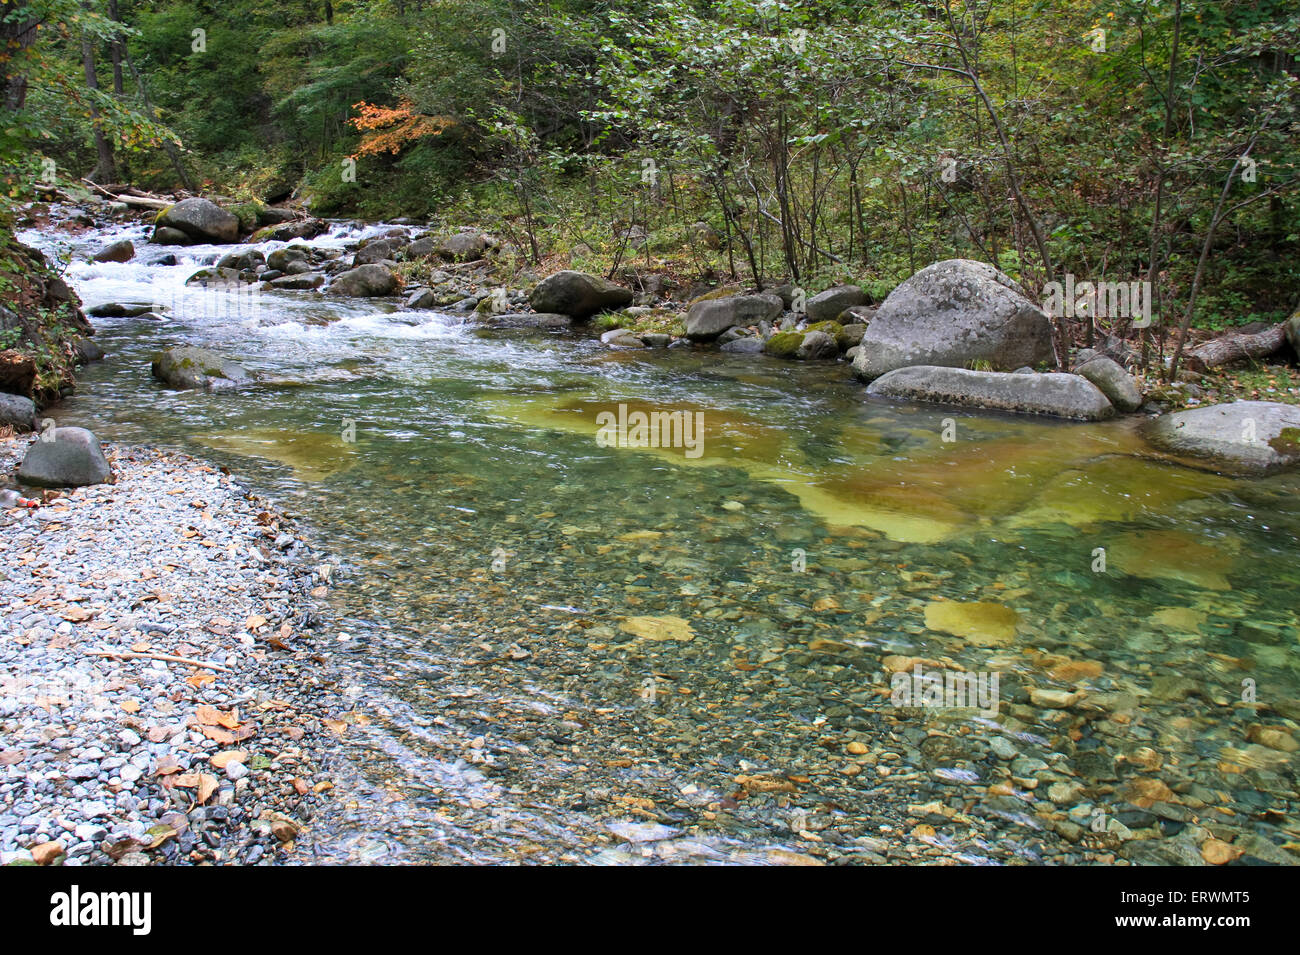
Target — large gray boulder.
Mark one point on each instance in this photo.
(1059, 395)
(826, 306)
(1243, 437)
(17, 412)
(952, 313)
(578, 294)
(202, 220)
(72, 459)
(710, 317)
(365, 281)
(464, 246)
(190, 367)
(1115, 383)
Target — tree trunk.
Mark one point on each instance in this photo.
(1236, 347)
(15, 37)
(105, 167)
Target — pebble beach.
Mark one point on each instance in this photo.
(159, 694)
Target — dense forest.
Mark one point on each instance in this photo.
(813, 142)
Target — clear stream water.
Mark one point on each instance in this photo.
(492, 553)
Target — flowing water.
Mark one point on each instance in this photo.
(551, 647)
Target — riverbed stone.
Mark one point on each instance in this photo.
(1243, 437)
(123, 250)
(817, 346)
(202, 220)
(1115, 383)
(365, 281)
(1059, 395)
(72, 459)
(709, 317)
(189, 367)
(953, 313)
(827, 305)
(17, 412)
(577, 294)
(166, 235)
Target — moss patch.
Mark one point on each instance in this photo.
(784, 344)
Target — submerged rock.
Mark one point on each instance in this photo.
(72, 459)
(952, 313)
(190, 367)
(531, 320)
(1060, 395)
(1244, 437)
(577, 294)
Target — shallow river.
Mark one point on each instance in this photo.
(554, 647)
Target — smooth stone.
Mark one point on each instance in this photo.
(1059, 395)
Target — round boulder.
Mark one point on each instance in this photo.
(72, 459)
(365, 281)
(708, 318)
(578, 294)
(953, 313)
(202, 220)
(123, 250)
(1115, 383)
(827, 305)
(17, 412)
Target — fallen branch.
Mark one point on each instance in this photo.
(1230, 348)
(132, 655)
(142, 202)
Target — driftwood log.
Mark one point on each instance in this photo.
(1230, 348)
(140, 202)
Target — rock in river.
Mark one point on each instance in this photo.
(72, 459)
(710, 317)
(120, 251)
(577, 294)
(365, 281)
(951, 313)
(1063, 396)
(201, 220)
(1245, 437)
(190, 367)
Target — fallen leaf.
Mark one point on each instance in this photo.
(220, 760)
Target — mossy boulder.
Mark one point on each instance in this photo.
(784, 344)
(190, 367)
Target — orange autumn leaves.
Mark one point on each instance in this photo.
(390, 129)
